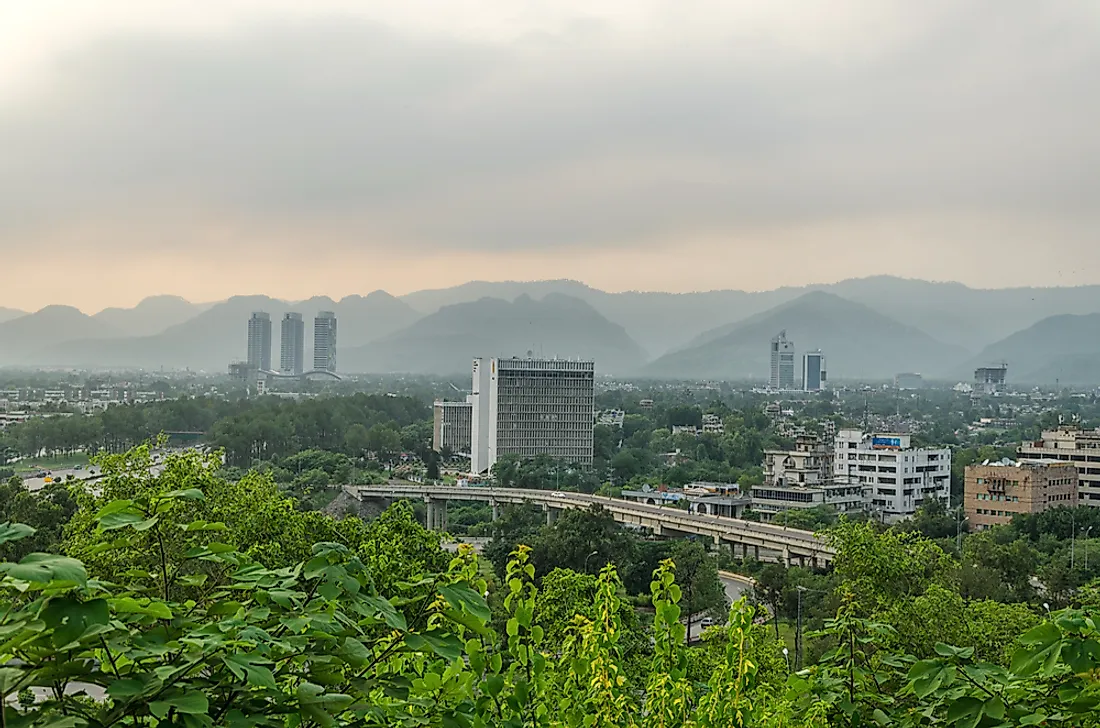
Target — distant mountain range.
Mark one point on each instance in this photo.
(7, 314)
(151, 316)
(1063, 349)
(868, 328)
(213, 337)
(445, 341)
(22, 337)
(858, 343)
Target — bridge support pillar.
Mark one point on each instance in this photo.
(496, 509)
(437, 515)
(551, 514)
(786, 556)
(756, 552)
(814, 562)
(802, 561)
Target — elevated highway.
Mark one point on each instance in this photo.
(763, 541)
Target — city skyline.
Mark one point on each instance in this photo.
(630, 145)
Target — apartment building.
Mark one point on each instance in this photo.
(259, 341)
(1072, 445)
(530, 407)
(292, 344)
(995, 492)
(324, 342)
(896, 477)
(803, 478)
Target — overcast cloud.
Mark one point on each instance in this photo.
(302, 148)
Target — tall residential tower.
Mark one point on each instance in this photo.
(324, 342)
(259, 341)
(782, 362)
(292, 344)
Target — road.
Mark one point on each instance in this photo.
(88, 472)
(735, 586)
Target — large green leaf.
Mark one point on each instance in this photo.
(463, 597)
(45, 568)
(14, 531)
(70, 618)
(192, 702)
(149, 607)
(120, 519)
(246, 667)
(185, 494)
(389, 615)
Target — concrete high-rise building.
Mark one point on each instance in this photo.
(803, 478)
(451, 426)
(990, 379)
(530, 407)
(813, 371)
(1069, 444)
(292, 344)
(995, 492)
(479, 416)
(259, 341)
(896, 478)
(782, 362)
(324, 342)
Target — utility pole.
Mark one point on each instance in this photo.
(959, 521)
(1087, 531)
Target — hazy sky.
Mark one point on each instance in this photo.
(327, 147)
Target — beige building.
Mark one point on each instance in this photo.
(451, 426)
(995, 492)
(1070, 444)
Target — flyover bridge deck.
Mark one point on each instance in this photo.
(785, 543)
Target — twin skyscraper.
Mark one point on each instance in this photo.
(292, 343)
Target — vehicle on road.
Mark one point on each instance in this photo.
(558, 494)
(707, 622)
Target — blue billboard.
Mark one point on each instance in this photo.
(886, 442)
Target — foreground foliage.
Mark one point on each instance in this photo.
(178, 619)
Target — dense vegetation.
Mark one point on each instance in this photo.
(185, 598)
(248, 429)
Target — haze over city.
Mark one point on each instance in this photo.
(330, 148)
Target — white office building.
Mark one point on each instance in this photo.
(782, 362)
(530, 407)
(896, 478)
(813, 371)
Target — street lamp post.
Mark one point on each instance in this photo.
(1087, 531)
(959, 531)
(586, 558)
(1072, 539)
